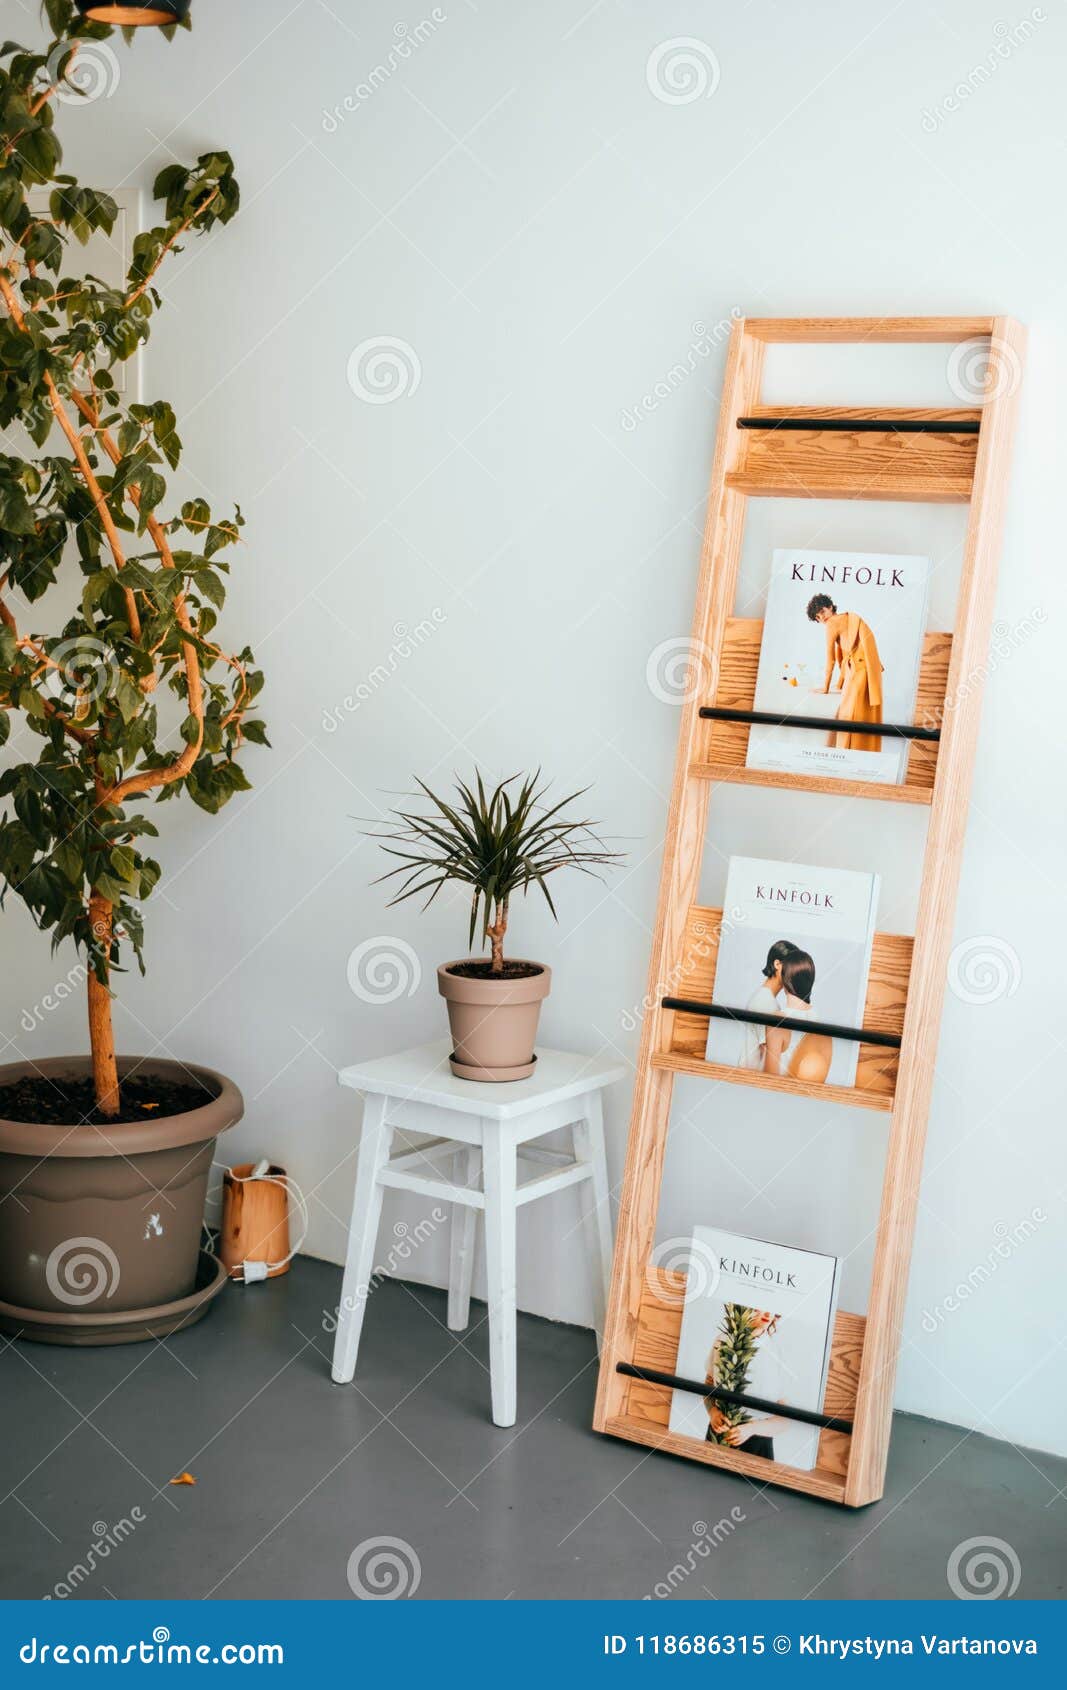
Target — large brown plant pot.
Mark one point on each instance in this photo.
(493, 1021)
(100, 1225)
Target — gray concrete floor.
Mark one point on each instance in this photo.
(294, 1474)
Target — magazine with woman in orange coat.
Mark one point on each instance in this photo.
(851, 650)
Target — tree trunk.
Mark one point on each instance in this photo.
(496, 935)
(101, 1036)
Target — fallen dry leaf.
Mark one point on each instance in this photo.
(149, 1105)
(182, 1479)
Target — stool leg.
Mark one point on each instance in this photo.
(499, 1165)
(595, 1200)
(374, 1145)
(461, 1241)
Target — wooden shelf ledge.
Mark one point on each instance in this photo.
(674, 1063)
(684, 1033)
(723, 746)
(875, 330)
(738, 775)
(820, 1481)
(647, 1407)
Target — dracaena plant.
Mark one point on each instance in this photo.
(122, 694)
(498, 843)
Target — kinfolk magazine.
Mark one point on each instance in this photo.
(795, 941)
(763, 1329)
(842, 638)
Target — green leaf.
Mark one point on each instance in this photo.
(208, 583)
(124, 862)
(128, 697)
(108, 887)
(31, 702)
(68, 859)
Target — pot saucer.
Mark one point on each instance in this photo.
(463, 1071)
(127, 1326)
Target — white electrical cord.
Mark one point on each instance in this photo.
(252, 1272)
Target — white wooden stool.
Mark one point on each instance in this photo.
(487, 1128)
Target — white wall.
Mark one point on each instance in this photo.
(512, 201)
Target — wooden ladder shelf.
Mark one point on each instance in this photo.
(821, 452)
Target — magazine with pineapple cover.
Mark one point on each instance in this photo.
(761, 1325)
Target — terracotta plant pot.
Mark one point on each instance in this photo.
(105, 1222)
(493, 1022)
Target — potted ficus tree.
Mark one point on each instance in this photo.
(497, 844)
(119, 696)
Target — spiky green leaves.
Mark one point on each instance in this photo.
(498, 843)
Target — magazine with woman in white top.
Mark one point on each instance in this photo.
(792, 924)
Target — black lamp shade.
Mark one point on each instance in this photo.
(133, 12)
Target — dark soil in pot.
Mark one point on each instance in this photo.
(69, 1101)
(103, 1218)
(484, 970)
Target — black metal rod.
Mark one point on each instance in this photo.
(795, 1024)
(864, 425)
(652, 1376)
(831, 724)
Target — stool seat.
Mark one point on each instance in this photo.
(481, 1129)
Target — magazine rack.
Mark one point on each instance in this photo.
(820, 452)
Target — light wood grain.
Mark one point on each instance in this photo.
(255, 1220)
(830, 1486)
(876, 330)
(677, 1062)
(693, 976)
(656, 1347)
(723, 746)
(770, 414)
(683, 848)
(837, 464)
(907, 979)
(934, 921)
